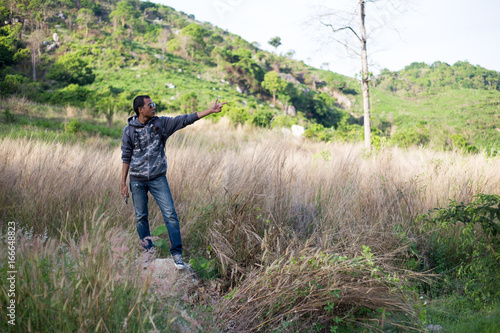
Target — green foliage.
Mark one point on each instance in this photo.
(238, 115)
(459, 142)
(73, 126)
(9, 44)
(274, 83)
(275, 42)
(189, 102)
(283, 120)
(262, 117)
(125, 13)
(72, 94)
(411, 137)
(420, 77)
(71, 68)
(206, 268)
(319, 132)
(483, 211)
(8, 117)
(13, 83)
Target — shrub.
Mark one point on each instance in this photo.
(237, 115)
(262, 118)
(73, 94)
(71, 68)
(411, 137)
(283, 120)
(73, 126)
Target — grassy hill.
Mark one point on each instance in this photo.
(108, 52)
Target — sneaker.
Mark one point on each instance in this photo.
(179, 264)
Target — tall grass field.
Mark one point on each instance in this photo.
(284, 235)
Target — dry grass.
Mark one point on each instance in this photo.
(265, 206)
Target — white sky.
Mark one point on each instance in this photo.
(430, 30)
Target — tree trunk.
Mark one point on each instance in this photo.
(33, 63)
(364, 76)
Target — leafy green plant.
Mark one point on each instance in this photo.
(8, 116)
(74, 126)
(483, 211)
(161, 243)
(206, 268)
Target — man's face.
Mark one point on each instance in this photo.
(148, 110)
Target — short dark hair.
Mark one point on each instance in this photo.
(139, 102)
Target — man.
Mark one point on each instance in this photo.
(143, 156)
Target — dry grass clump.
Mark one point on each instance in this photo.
(46, 185)
(314, 288)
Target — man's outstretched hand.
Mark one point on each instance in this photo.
(217, 107)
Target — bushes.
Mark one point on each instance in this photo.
(73, 94)
(71, 68)
(262, 118)
(411, 137)
(237, 115)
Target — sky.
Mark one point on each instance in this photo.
(423, 31)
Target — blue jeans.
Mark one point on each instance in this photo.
(161, 192)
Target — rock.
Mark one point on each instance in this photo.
(290, 110)
(45, 43)
(158, 56)
(434, 328)
(180, 70)
(286, 131)
(58, 26)
(51, 47)
(289, 78)
(138, 76)
(342, 99)
(173, 98)
(297, 130)
(170, 281)
(170, 85)
(55, 37)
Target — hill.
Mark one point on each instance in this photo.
(98, 55)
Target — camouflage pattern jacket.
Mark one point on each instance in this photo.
(144, 151)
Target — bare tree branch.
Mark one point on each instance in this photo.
(340, 29)
(346, 45)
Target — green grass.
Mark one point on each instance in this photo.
(470, 113)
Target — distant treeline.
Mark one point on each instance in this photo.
(420, 77)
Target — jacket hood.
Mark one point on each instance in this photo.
(134, 121)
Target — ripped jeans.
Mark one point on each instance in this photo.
(158, 187)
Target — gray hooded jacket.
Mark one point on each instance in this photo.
(146, 155)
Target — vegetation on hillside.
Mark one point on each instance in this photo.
(106, 52)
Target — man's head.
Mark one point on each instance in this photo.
(139, 102)
(144, 108)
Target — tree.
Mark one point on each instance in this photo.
(275, 42)
(274, 83)
(85, 16)
(163, 39)
(344, 22)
